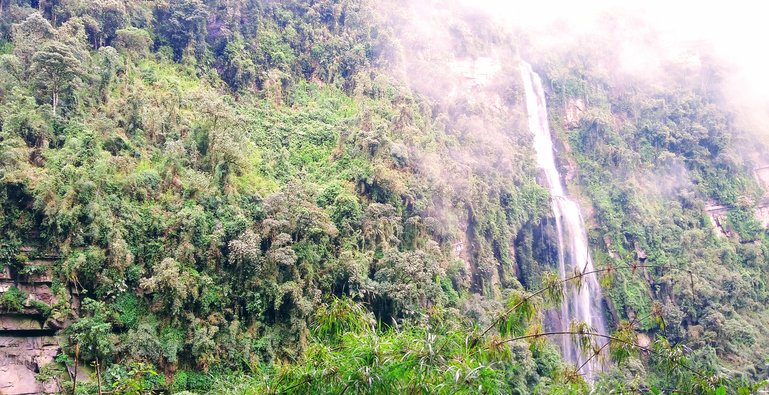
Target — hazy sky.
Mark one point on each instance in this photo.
(736, 30)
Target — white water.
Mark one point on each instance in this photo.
(582, 303)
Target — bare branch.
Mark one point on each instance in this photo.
(608, 337)
(577, 276)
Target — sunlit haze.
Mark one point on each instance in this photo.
(734, 31)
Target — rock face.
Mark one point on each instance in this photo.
(27, 336)
(717, 214)
(762, 212)
(574, 110)
(761, 173)
(21, 357)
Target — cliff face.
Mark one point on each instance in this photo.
(21, 358)
(217, 175)
(28, 333)
(668, 177)
(211, 208)
(761, 174)
(718, 213)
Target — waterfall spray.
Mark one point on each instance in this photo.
(583, 302)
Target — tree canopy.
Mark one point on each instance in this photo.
(293, 196)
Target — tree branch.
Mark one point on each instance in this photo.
(600, 335)
(574, 277)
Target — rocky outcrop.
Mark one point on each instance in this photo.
(761, 174)
(609, 244)
(21, 358)
(28, 339)
(762, 212)
(717, 214)
(575, 108)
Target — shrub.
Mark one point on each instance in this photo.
(13, 300)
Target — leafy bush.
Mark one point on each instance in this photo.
(13, 300)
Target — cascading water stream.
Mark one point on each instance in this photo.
(582, 302)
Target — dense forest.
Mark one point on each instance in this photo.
(341, 196)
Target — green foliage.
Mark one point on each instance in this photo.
(129, 310)
(134, 40)
(183, 23)
(143, 343)
(242, 195)
(172, 343)
(339, 317)
(239, 68)
(193, 381)
(650, 162)
(134, 379)
(92, 334)
(13, 300)
(171, 283)
(364, 360)
(407, 282)
(742, 220)
(55, 68)
(521, 311)
(5, 47)
(44, 309)
(50, 371)
(22, 117)
(30, 33)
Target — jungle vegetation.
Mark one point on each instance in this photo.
(248, 200)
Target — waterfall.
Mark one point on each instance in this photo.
(581, 303)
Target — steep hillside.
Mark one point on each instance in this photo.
(674, 185)
(333, 196)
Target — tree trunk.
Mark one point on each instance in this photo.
(98, 377)
(74, 376)
(55, 100)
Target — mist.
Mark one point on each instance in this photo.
(651, 34)
(462, 56)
